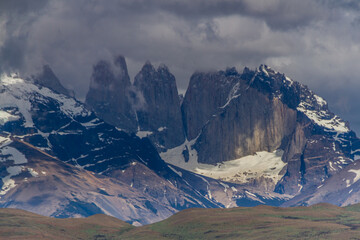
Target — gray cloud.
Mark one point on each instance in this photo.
(315, 42)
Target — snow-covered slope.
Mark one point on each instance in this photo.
(243, 170)
(62, 127)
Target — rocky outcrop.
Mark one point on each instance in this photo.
(109, 94)
(159, 115)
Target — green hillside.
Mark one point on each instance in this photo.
(322, 221)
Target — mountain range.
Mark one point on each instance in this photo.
(138, 151)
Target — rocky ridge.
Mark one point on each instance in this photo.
(51, 123)
(232, 120)
(237, 139)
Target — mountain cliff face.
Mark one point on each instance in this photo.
(149, 108)
(159, 117)
(108, 94)
(230, 117)
(256, 128)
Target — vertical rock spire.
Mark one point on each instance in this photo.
(108, 95)
(161, 114)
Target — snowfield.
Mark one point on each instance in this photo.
(242, 170)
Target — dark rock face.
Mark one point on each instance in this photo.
(206, 93)
(160, 112)
(232, 119)
(48, 79)
(227, 115)
(108, 95)
(150, 107)
(233, 115)
(249, 124)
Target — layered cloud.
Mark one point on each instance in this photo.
(314, 42)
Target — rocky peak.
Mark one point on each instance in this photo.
(109, 76)
(231, 71)
(102, 75)
(148, 68)
(163, 67)
(160, 118)
(120, 63)
(108, 95)
(229, 116)
(47, 78)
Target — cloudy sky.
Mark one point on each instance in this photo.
(316, 42)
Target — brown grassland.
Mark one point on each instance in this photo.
(321, 221)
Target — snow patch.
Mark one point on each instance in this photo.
(175, 156)
(143, 134)
(9, 183)
(225, 186)
(160, 129)
(7, 117)
(17, 92)
(33, 172)
(4, 141)
(232, 95)
(356, 178)
(253, 197)
(93, 123)
(177, 172)
(289, 80)
(242, 170)
(320, 100)
(13, 154)
(322, 118)
(348, 184)
(331, 167)
(263, 69)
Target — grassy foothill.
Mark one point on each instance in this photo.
(321, 221)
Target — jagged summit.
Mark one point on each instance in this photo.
(236, 139)
(231, 71)
(160, 118)
(47, 78)
(109, 94)
(228, 120)
(150, 107)
(230, 116)
(148, 67)
(121, 64)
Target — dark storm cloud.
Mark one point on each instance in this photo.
(315, 42)
(15, 18)
(21, 6)
(348, 4)
(278, 14)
